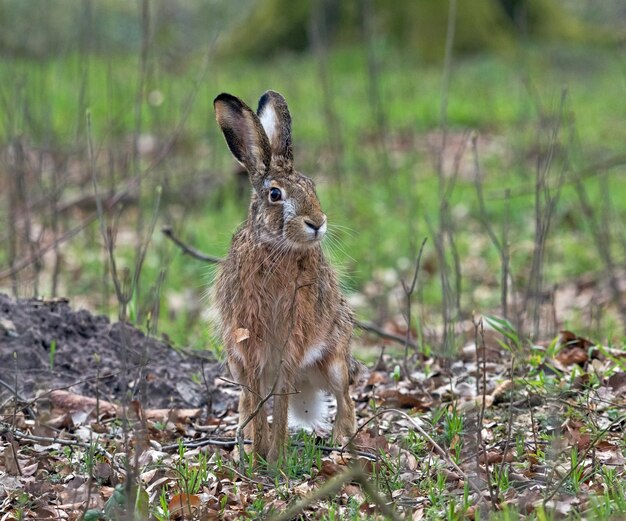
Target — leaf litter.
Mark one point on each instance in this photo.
(528, 428)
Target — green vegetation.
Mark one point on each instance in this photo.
(385, 167)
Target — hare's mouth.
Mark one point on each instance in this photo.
(303, 233)
(305, 243)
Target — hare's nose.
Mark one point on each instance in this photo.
(313, 226)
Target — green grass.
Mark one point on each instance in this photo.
(382, 208)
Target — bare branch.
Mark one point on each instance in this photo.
(373, 328)
(408, 292)
(189, 250)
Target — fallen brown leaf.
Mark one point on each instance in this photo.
(377, 377)
(182, 505)
(173, 415)
(570, 339)
(241, 334)
(11, 463)
(72, 403)
(330, 469)
(496, 457)
(572, 355)
(403, 400)
(372, 440)
(573, 349)
(617, 380)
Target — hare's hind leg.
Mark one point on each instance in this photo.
(280, 429)
(255, 421)
(338, 377)
(260, 426)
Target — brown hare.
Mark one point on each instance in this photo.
(284, 323)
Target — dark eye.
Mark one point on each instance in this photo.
(275, 195)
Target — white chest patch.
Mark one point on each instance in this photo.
(313, 355)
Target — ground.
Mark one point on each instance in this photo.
(550, 440)
(46, 345)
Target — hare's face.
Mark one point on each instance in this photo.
(291, 214)
(285, 210)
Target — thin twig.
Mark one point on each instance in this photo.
(232, 442)
(408, 292)
(18, 398)
(189, 250)
(479, 334)
(373, 328)
(46, 439)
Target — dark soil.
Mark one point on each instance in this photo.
(91, 355)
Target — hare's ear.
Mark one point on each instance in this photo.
(276, 120)
(244, 134)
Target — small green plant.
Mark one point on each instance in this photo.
(302, 456)
(191, 476)
(162, 511)
(415, 444)
(389, 473)
(436, 490)
(397, 374)
(578, 470)
(505, 328)
(255, 510)
(453, 431)
(502, 481)
(520, 445)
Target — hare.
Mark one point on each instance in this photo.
(285, 325)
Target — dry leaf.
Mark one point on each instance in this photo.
(371, 440)
(29, 470)
(11, 462)
(173, 415)
(502, 388)
(617, 380)
(73, 403)
(403, 400)
(330, 469)
(570, 339)
(574, 349)
(353, 491)
(572, 355)
(8, 327)
(377, 377)
(183, 505)
(241, 334)
(496, 457)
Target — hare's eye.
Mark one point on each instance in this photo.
(275, 195)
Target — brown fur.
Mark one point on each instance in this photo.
(277, 284)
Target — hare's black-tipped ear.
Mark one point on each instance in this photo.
(276, 120)
(244, 134)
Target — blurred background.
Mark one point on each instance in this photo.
(493, 128)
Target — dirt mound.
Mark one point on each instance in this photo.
(45, 345)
